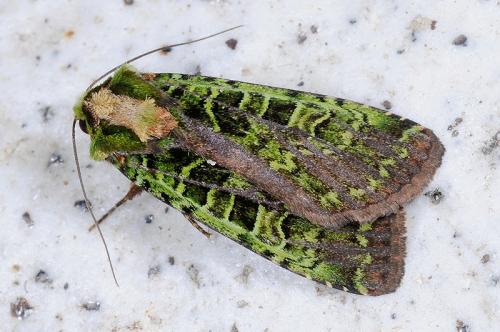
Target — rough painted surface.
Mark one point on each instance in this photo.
(173, 278)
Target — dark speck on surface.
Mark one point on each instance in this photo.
(387, 104)
(166, 209)
(149, 218)
(231, 43)
(128, 2)
(91, 306)
(47, 113)
(194, 275)
(197, 70)
(81, 205)
(301, 83)
(245, 273)
(171, 260)
(234, 328)
(66, 286)
(413, 36)
(314, 28)
(491, 144)
(393, 316)
(436, 196)
(460, 40)
(485, 259)
(455, 123)
(43, 277)
(21, 309)
(353, 21)
(154, 271)
(494, 280)
(242, 303)
(27, 219)
(55, 158)
(433, 25)
(301, 38)
(166, 50)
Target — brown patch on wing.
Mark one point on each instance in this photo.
(431, 150)
(384, 274)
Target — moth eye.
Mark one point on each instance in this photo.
(83, 126)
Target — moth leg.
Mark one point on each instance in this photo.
(132, 192)
(196, 225)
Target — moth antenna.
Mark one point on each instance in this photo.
(168, 47)
(87, 203)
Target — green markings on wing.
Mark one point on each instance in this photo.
(372, 145)
(285, 239)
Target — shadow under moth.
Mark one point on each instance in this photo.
(313, 183)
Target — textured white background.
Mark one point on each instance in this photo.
(51, 50)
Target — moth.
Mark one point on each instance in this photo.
(313, 183)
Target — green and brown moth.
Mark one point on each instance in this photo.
(313, 183)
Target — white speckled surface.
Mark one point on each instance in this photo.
(51, 50)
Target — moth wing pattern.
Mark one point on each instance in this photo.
(310, 182)
(363, 259)
(346, 161)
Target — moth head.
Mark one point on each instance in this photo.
(122, 115)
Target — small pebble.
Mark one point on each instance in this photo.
(27, 219)
(231, 43)
(435, 195)
(171, 260)
(387, 104)
(21, 309)
(42, 277)
(149, 218)
(460, 40)
(485, 259)
(66, 286)
(55, 158)
(314, 29)
(128, 2)
(91, 306)
(301, 83)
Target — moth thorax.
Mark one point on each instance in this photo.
(143, 117)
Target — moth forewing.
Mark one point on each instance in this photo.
(311, 182)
